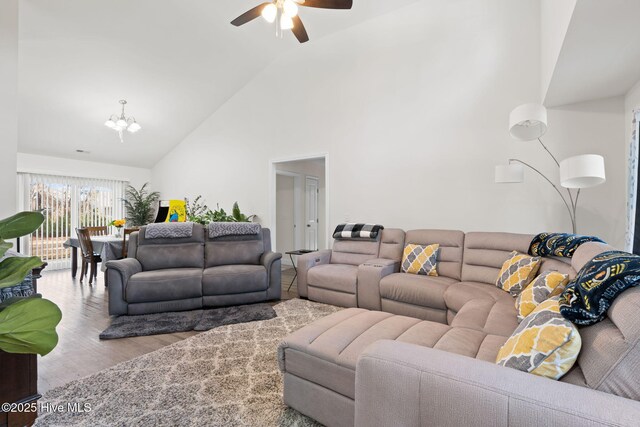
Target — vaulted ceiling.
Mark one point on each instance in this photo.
(175, 61)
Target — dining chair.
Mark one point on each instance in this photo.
(102, 230)
(125, 233)
(89, 257)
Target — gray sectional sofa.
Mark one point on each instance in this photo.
(419, 350)
(187, 273)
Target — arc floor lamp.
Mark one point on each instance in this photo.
(528, 122)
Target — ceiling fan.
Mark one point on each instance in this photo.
(285, 14)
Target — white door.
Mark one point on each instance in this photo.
(285, 213)
(311, 211)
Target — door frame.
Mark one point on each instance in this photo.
(272, 192)
(306, 194)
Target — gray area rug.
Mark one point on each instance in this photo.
(181, 321)
(227, 376)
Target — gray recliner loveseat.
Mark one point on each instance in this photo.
(187, 273)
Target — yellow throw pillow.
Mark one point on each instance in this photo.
(546, 285)
(418, 259)
(544, 344)
(517, 272)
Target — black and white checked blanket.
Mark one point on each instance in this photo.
(357, 231)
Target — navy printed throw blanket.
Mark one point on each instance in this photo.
(587, 298)
(357, 231)
(558, 244)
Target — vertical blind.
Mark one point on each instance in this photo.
(67, 203)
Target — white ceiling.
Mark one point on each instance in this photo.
(600, 56)
(175, 61)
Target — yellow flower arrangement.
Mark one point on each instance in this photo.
(118, 223)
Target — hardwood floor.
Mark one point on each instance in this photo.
(84, 315)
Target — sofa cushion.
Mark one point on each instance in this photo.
(485, 253)
(420, 259)
(326, 351)
(391, 244)
(164, 285)
(240, 249)
(458, 294)
(234, 279)
(165, 253)
(337, 277)
(494, 317)
(546, 285)
(354, 251)
(544, 344)
(517, 272)
(425, 291)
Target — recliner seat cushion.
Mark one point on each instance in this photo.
(337, 277)
(425, 291)
(164, 285)
(234, 279)
(458, 294)
(326, 351)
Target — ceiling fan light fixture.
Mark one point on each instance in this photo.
(286, 23)
(269, 13)
(290, 8)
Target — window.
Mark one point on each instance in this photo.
(68, 203)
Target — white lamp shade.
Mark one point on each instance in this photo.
(134, 127)
(528, 121)
(513, 173)
(582, 171)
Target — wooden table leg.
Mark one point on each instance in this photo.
(74, 261)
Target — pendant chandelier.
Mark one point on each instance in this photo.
(122, 122)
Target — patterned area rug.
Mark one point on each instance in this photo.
(195, 320)
(227, 376)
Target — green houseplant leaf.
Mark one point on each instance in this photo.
(4, 247)
(28, 326)
(13, 270)
(20, 224)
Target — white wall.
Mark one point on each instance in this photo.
(595, 127)
(555, 17)
(412, 108)
(70, 167)
(8, 105)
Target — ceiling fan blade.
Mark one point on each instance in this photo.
(328, 4)
(249, 15)
(299, 31)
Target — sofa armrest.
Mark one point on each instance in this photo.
(410, 385)
(268, 258)
(369, 275)
(307, 261)
(118, 274)
(272, 262)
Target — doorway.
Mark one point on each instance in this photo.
(298, 205)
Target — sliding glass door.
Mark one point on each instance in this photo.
(68, 203)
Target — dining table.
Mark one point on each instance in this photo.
(108, 247)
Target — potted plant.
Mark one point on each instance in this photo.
(28, 323)
(140, 205)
